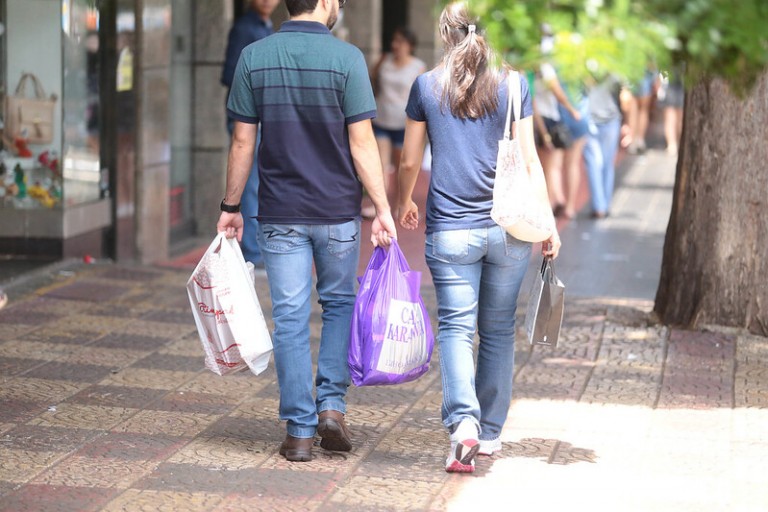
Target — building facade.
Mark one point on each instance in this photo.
(125, 153)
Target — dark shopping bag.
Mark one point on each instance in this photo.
(391, 338)
(546, 304)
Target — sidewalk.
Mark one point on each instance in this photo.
(105, 405)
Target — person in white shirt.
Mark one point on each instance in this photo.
(392, 78)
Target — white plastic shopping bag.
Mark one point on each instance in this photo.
(227, 312)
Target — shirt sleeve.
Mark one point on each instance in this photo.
(415, 107)
(358, 103)
(526, 109)
(240, 104)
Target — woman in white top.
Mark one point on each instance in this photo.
(392, 79)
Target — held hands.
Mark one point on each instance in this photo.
(231, 224)
(408, 214)
(550, 248)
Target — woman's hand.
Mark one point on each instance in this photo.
(550, 248)
(408, 214)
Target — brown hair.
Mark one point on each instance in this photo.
(470, 84)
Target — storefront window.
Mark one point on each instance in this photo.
(84, 178)
(51, 113)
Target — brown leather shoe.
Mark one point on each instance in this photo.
(334, 432)
(297, 449)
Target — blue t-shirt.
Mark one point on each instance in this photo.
(304, 86)
(463, 154)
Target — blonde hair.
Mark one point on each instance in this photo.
(470, 84)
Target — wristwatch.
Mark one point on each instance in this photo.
(229, 208)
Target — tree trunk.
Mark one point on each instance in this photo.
(715, 264)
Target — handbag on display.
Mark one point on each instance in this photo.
(546, 305)
(30, 117)
(517, 203)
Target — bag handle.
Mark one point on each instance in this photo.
(22, 87)
(513, 103)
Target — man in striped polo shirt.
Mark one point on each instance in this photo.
(312, 96)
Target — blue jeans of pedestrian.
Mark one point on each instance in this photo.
(250, 206)
(599, 159)
(477, 275)
(290, 250)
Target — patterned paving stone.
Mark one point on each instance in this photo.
(37, 350)
(146, 378)
(187, 401)
(18, 466)
(114, 359)
(36, 498)
(39, 390)
(131, 446)
(160, 329)
(225, 453)
(18, 411)
(372, 493)
(86, 472)
(84, 416)
(5, 488)
(50, 334)
(69, 372)
(14, 366)
(42, 439)
(170, 316)
(86, 290)
(116, 396)
(166, 423)
(128, 274)
(131, 341)
(19, 314)
(237, 503)
(171, 362)
(241, 384)
(162, 501)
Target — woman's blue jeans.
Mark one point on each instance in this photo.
(599, 159)
(477, 275)
(290, 250)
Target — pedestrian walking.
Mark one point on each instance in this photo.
(477, 268)
(253, 25)
(603, 143)
(392, 77)
(313, 98)
(3, 298)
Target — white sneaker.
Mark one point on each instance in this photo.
(464, 446)
(490, 446)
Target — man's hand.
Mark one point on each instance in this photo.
(231, 224)
(383, 229)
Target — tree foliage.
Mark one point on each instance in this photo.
(713, 37)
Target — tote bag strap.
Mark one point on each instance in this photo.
(514, 103)
(37, 86)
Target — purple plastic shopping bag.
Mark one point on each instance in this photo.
(391, 338)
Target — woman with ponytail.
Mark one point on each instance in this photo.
(477, 268)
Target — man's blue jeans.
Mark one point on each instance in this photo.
(289, 252)
(477, 275)
(599, 159)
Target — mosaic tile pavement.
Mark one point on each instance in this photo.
(105, 405)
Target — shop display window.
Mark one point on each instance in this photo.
(49, 77)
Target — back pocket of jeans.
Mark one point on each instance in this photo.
(517, 249)
(450, 246)
(343, 238)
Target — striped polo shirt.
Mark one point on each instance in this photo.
(304, 86)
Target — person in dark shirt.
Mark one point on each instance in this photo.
(252, 26)
(311, 94)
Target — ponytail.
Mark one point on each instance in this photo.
(470, 85)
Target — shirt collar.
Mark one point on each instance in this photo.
(312, 27)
